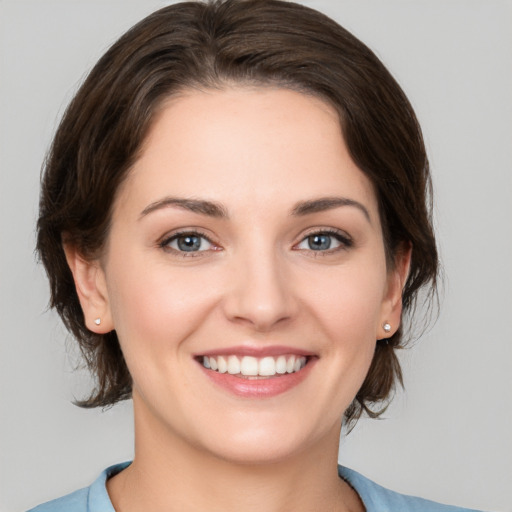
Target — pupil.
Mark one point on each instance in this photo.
(319, 242)
(189, 243)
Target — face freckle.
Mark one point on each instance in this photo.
(246, 227)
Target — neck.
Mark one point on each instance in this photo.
(169, 474)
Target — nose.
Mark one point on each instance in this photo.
(260, 293)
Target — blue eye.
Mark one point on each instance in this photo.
(319, 242)
(324, 241)
(187, 242)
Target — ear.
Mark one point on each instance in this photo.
(391, 311)
(92, 290)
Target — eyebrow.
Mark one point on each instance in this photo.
(327, 203)
(217, 210)
(200, 206)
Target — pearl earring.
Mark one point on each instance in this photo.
(97, 321)
(386, 327)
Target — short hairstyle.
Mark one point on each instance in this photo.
(213, 45)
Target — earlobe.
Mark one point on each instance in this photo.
(91, 289)
(392, 305)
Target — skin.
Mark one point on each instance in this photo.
(257, 152)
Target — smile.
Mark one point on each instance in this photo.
(255, 367)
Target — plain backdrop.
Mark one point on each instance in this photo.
(449, 436)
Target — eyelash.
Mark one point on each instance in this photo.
(345, 242)
(164, 244)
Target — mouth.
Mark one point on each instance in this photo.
(257, 373)
(254, 368)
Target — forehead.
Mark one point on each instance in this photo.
(259, 147)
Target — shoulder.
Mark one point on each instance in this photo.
(74, 502)
(89, 499)
(379, 499)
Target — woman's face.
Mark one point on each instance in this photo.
(245, 239)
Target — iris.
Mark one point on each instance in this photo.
(319, 242)
(189, 243)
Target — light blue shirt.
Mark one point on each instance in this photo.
(375, 498)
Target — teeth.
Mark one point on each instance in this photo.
(267, 366)
(251, 366)
(222, 364)
(281, 365)
(233, 365)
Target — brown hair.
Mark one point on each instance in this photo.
(210, 45)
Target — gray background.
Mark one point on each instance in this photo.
(448, 437)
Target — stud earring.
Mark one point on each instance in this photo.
(97, 321)
(386, 327)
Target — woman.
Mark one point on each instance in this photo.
(234, 219)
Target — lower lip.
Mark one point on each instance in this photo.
(259, 388)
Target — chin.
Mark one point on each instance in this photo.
(267, 444)
(255, 454)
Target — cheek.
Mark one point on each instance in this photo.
(347, 308)
(158, 305)
(155, 313)
(349, 301)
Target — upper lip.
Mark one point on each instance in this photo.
(256, 351)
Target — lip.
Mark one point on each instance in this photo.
(256, 351)
(258, 388)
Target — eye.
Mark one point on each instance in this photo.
(325, 241)
(187, 243)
